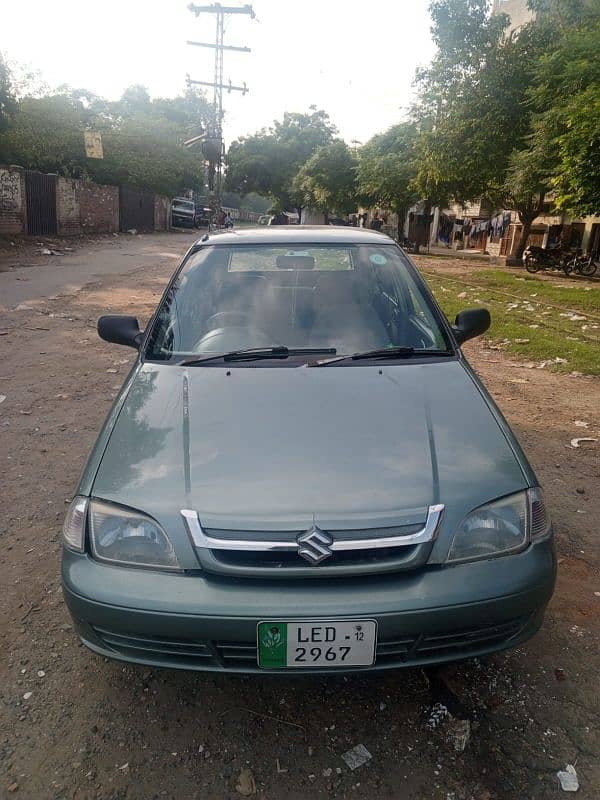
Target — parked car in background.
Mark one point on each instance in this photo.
(185, 213)
(302, 473)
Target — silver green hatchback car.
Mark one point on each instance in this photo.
(302, 473)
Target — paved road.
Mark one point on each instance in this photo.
(66, 274)
(74, 726)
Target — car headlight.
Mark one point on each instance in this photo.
(503, 526)
(125, 536)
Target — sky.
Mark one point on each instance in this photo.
(353, 58)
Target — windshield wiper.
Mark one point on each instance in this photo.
(383, 353)
(256, 353)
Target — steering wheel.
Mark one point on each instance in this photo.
(233, 337)
(224, 319)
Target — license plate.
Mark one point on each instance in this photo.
(316, 643)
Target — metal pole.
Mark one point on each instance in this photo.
(219, 103)
(220, 11)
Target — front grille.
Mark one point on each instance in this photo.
(242, 656)
(287, 561)
(316, 552)
(456, 644)
(264, 563)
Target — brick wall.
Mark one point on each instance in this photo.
(98, 208)
(161, 212)
(67, 207)
(12, 201)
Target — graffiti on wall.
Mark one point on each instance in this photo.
(10, 190)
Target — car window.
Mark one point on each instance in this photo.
(351, 298)
(183, 204)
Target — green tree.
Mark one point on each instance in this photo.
(141, 137)
(135, 100)
(566, 102)
(513, 116)
(251, 202)
(327, 180)
(267, 161)
(387, 169)
(46, 134)
(476, 101)
(7, 98)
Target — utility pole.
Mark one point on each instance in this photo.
(213, 146)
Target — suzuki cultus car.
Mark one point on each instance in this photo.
(302, 473)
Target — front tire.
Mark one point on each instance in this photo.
(588, 269)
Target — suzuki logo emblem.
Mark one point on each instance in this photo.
(315, 545)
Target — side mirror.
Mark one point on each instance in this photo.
(470, 323)
(120, 329)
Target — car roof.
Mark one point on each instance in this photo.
(294, 234)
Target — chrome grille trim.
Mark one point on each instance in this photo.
(201, 540)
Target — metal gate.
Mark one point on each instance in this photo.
(136, 209)
(40, 194)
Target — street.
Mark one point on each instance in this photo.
(74, 725)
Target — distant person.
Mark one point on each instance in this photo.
(376, 222)
(354, 221)
(221, 218)
(228, 220)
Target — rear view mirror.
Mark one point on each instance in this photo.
(470, 323)
(120, 329)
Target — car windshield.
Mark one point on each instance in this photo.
(183, 204)
(346, 298)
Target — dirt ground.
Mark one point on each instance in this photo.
(73, 725)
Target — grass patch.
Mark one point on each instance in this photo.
(532, 318)
(577, 294)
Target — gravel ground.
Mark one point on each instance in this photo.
(73, 725)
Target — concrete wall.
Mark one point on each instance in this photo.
(310, 216)
(67, 207)
(83, 207)
(13, 215)
(161, 212)
(591, 236)
(98, 208)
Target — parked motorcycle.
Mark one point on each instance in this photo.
(583, 265)
(408, 246)
(539, 258)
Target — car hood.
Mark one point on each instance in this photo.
(266, 448)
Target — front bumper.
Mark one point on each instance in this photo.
(182, 222)
(208, 623)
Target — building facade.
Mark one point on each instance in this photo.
(517, 10)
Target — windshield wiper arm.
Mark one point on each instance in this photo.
(256, 353)
(383, 353)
